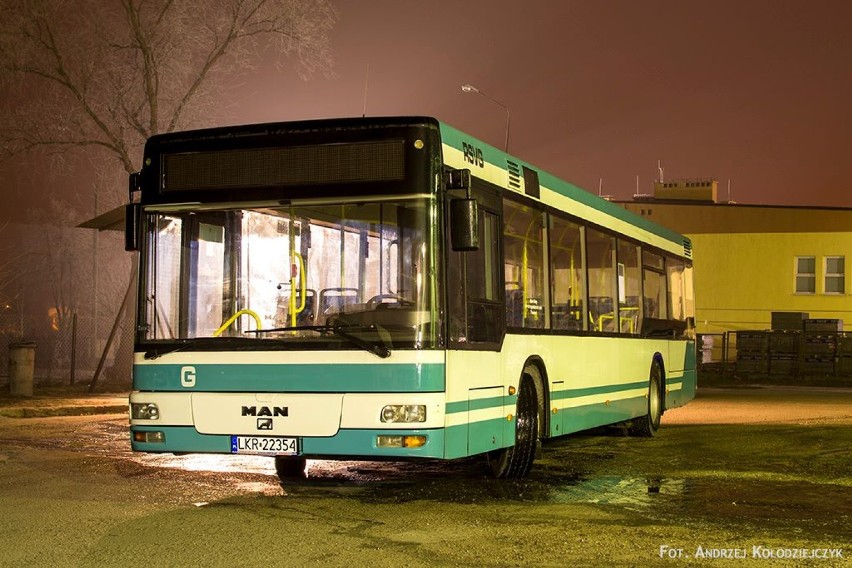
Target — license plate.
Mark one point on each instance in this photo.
(270, 445)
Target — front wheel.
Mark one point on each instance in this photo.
(516, 461)
(648, 425)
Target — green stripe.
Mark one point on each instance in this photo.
(605, 389)
(399, 377)
(478, 404)
(588, 416)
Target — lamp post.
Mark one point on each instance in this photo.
(468, 88)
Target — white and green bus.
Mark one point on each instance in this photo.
(392, 288)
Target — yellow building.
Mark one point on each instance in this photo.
(753, 260)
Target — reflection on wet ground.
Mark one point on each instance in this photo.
(465, 482)
(756, 477)
(735, 500)
(461, 481)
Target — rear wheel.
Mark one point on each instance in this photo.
(648, 425)
(289, 468)
(516, 461)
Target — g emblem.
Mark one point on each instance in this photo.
(187, 377)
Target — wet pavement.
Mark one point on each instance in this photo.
(736, 468)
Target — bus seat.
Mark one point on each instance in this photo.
(334, 300)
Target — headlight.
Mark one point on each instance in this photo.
(404, 413)
(144, 411)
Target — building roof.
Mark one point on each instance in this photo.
(701, 217)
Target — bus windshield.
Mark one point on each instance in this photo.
(325, 276)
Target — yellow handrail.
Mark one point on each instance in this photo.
(234, 317)
(294, 311)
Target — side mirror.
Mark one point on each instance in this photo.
(464, 224)
(132, 216)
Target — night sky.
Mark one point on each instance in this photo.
(755, 92)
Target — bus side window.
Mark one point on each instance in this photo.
(629, 308)
(523, 230)
(567, 275)
(600, 259)
(655, 295)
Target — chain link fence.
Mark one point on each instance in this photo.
(68, 352)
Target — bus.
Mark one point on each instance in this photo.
(392, 289)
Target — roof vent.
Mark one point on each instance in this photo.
(514, 175)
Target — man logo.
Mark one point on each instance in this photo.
(264, 423)
(265, 411)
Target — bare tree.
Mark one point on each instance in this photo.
(95, 74)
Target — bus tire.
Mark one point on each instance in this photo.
(289, 468)
(516, 461)
(647, 426)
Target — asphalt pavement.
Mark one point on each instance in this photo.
(61, 401)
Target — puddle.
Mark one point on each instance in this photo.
(633, 493)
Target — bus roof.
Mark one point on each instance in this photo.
(495, 167)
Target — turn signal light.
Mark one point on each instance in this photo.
(400, 441)
(150, 437)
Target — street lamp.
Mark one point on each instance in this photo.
(468, 88)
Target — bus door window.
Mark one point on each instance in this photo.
(600, 260)
(654, 287)
(274, 268)
(208, 286)
(567, 275)
(629, 291)
(483, 301)
(474, 281)
(523, 242)
(264, 269)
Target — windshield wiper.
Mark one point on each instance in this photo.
(193, 344)
(374, 348)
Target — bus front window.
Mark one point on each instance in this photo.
(290, 274)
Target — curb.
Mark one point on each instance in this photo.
(46, 412)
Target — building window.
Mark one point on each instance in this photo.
(835, 275)
(805, 275)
